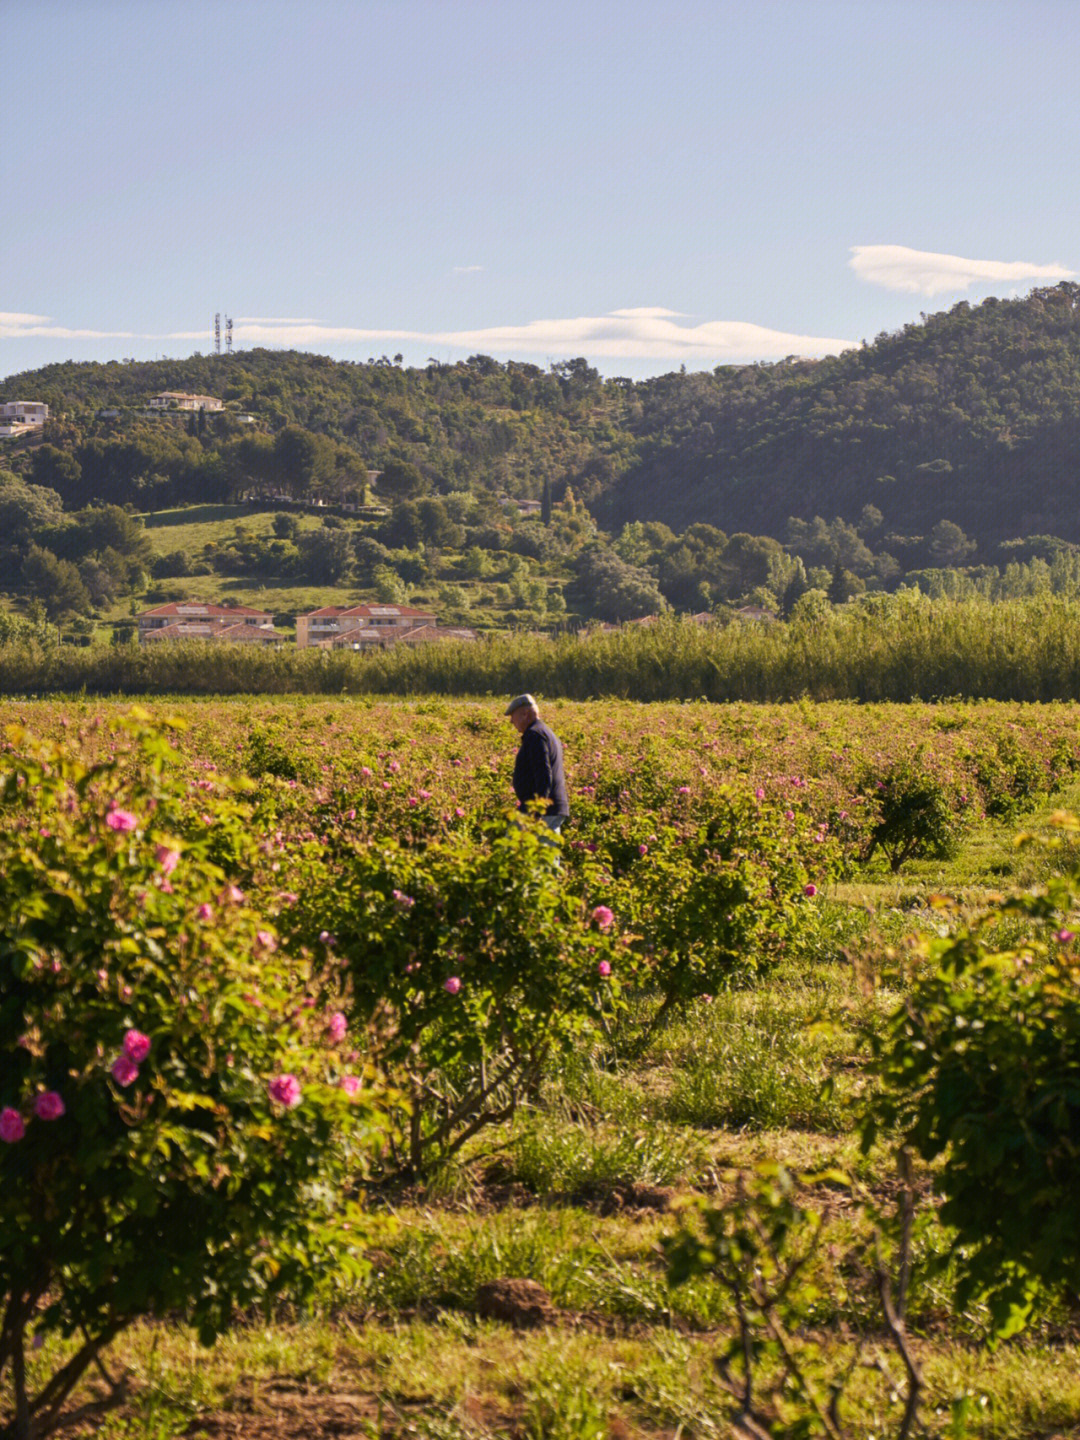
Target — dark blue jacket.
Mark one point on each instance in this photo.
(538, 769)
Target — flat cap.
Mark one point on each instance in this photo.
(519, 702)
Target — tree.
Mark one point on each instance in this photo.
(57, 469)
(796, 588)
(399, 480)
(390, 589)
(436, 526)
(56, 583)
(326, 556)
(285, 526)
(545, 501)
(303, 461)
(949, 546)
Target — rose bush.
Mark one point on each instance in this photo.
(176, 1122)
(978, 1070)
(470, 961)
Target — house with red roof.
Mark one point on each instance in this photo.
(201, 620)
(359, 626)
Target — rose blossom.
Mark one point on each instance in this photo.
(167, 859)
(265, 939)
(285, 1089)
(338, 1026)
(205, 912)
(124, 1071)
(452, 986)
(11, 1125)
(603, 917)
(350, 1084)
(810, 890)
(136, 1046)
(121, 820)
(49, 1106)
(604, 969)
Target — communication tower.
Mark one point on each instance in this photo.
(228, 334)
(217, 334)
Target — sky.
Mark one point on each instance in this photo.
(646, 185)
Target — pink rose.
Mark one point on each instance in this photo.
(265, 939)
(167, 859)
(452, 986)
(231, 895)
(604, 969)
(48, 1106)
(350, 1084)
(124, 1071)
(136, 1046)
(603, 917)
(205, 912)
(338, 1026)
(285, 1089)
(121, 820)
(810, 890)
(11, 1125)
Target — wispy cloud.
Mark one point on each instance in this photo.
(644, 332)
(17, 326)
(923, 272)
(467, 269)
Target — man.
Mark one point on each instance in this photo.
(538, 769)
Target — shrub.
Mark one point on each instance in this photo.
(978, 1069)
(174, 1129)
(472, 964)
(714, 899)
(918, 816)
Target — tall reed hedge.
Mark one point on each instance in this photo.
(922, 650)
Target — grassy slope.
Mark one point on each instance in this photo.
(191, 528)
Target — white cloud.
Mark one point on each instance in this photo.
(922, 272)
(644, 333)
(648, 312)
(15, 326)
(467, 269)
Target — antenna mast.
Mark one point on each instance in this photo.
(217, 334)
(228, 334)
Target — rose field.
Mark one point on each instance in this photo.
(336, 1100)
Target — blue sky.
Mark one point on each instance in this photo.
(648, 185)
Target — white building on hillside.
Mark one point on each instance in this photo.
(181, 400)
(19, 416)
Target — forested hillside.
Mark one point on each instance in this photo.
(970, 416)
(945, 456)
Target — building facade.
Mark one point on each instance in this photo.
(359, 626)
(200, 620)
(181, 400)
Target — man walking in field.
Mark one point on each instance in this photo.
(538, 769)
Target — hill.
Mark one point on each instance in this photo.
(945, 456)
(970, 416)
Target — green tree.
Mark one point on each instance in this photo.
(56, 583)
(949, 546)
(400, 480)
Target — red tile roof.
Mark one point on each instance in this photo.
(201, 610)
